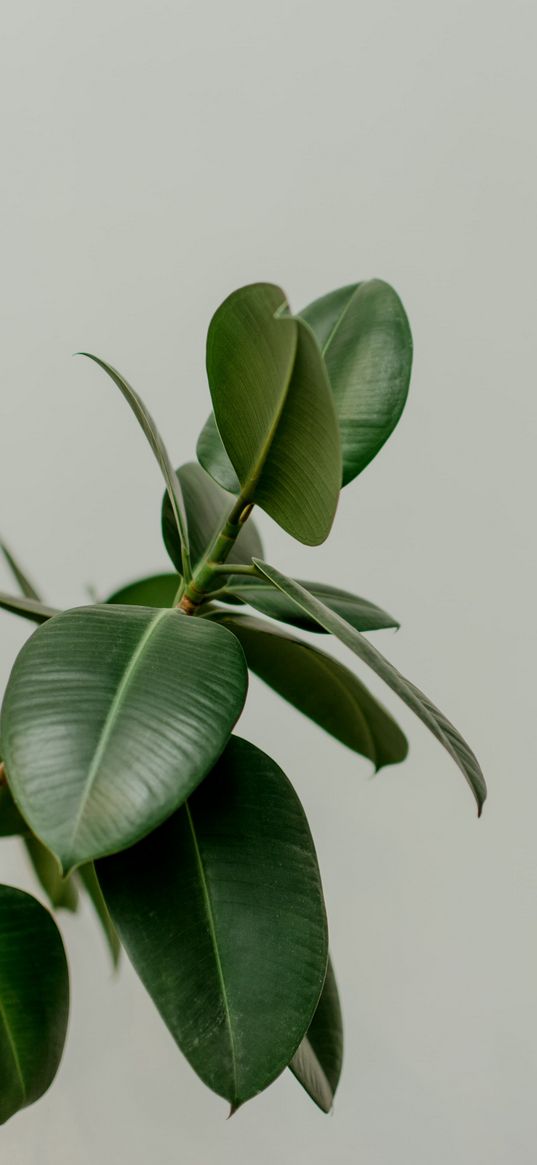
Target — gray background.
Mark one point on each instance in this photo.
(155, 156)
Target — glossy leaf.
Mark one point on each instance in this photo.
(274, 410)
(21, 578)
(420, 704)
(28, 608)
(206, 507)
(34, 1000)
(214, 459)
(158, 590)
(321, 688)
(261, 595)
(221, 912)
(317, 1063)
(365, 338)
(111, 717)
(61, 892)
(149, 427)
(88, 879)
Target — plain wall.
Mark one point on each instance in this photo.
(156, 155)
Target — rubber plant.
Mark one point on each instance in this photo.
(121, 771)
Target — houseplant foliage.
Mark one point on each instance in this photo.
(121, 770)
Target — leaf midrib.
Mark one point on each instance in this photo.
(13, 1048)
(111, 718)
(266, 444)
(214, 940)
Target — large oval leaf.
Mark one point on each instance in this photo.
(111, 717)
(432, 717)
(274, 410)
(365, 338)
(221, 911)
(34, 1000)
(157, 590)
(261, 595)
(206, 507)
(317, 1063)
(321, 688)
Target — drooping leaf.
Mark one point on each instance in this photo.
(317, 1063)
(21, 578)
(27, 608)
(206, 507)
(365, 338)
(159, 590)
(267, 599)
(111, 717)
(61, 892)
(221, 912)
(212, 456)
(321, 688)
(274, 410)
(34, 1000)
(420, 704)
(149, 427)
(88, 878)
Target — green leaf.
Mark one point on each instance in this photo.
(321, 688)
(317, 1063)
(274, 410)
(221, 912)
(21, 578)
(111, 717)
(147, 423)
(34, 1000)
(88, 878)
(360, 613)
(12, 824)
(159, 590)
(27, 608)
(61, 892)
(420, 704)
(365, 338)
(212, 456)
(206, 507)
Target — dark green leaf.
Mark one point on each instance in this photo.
(11, 822)
(321, 688)
(21, 578)
(435, 720)
(147, 423)
(111, 717)
(28, 608)
(88, 878)
(159, 590)
(34, 1000)
(317, 1063)
(360, 613)
(274, 410)
(214, 459)
(221, 912)
(365, 339)
(206, 507)
(61, 892)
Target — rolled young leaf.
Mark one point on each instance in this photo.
(206, 507)
(154, 438)
(61, 892)
(111, 717)
(317, 1062)
(274, 410)
(221, 912)
(420, 704)
(34, 1000)
(321, 688)
(365, 338)
(261, 595)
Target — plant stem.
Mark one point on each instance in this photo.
(191, 595)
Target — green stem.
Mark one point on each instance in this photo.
(194, 591)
